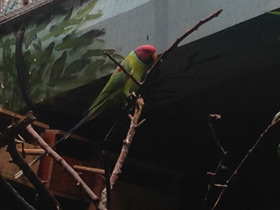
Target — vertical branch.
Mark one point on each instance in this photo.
(106, 160)
(220, 165)
(128, 140)
(125, 148)
(213, 132)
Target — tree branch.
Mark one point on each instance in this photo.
(250, 151)
(66, 167)
(220, 165)
(123, 69)
(125, 148)
(180, 39)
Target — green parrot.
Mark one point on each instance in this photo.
(120, 85)
(117, 89)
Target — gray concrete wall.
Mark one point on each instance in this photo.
(160, 22)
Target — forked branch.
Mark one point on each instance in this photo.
(134, 123)
(250, 151)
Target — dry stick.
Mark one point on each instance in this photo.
(223, 154)
(180, 39)
(31, 151)
(123, 69)
(126, 144)
(243, 161)
(213, 132)
(105, 159)
(65, 166)
(128, 140)
(89, 169)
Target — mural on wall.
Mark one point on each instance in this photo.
(57, 55)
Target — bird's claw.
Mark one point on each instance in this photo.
(134, 95)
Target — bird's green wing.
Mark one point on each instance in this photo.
(114, 84)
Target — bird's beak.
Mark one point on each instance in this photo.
(155, 56)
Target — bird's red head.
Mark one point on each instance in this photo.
(146, 53)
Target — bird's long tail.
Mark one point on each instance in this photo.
(66, 136)
(75, 127)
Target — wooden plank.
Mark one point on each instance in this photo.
(13, 115)
(63, 185)
(8, 169)
(57, 180)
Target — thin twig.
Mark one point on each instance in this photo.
(106, 161)
(223, 155)
(89, 169)
(166, 52)
(213, 132)
(123, 69)
(266, 131)
(180, 39)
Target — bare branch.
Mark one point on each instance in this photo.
(213, 132)
(66, 167)
(89, 169)
(125, 148)
(180, 39)
(219, 167)
(252, 149)
(123, 69)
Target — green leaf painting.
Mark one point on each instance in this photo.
(59, 54)
(274, 12)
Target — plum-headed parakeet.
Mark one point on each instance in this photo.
(120, 86)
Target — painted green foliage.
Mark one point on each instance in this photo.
(274, 13)
(60, 53)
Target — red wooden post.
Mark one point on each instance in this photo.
(46, 164)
